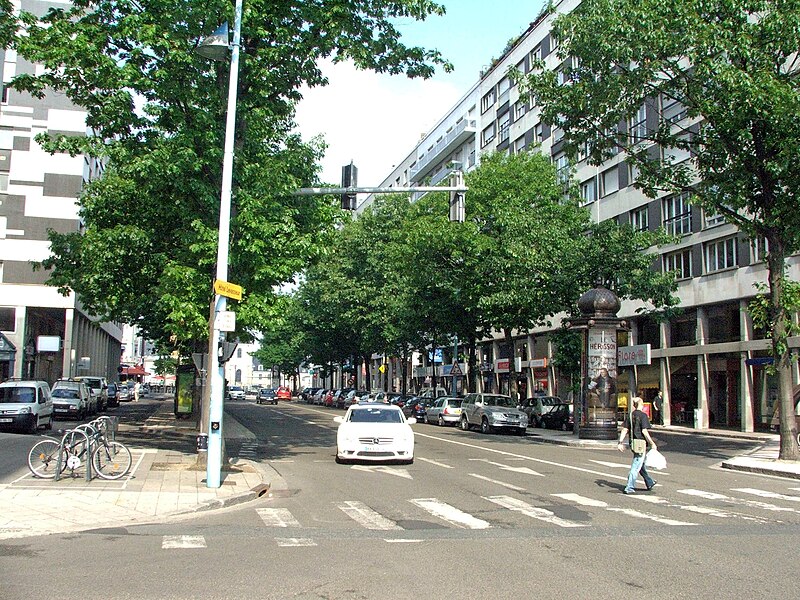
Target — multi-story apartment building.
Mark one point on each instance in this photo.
(44, 334)
(709, 361)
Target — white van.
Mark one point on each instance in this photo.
(25, 404)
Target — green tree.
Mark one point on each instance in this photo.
(725, 74)
(156, 112)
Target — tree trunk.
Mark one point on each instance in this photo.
(472, 381)
(512, 367)
(780, 353)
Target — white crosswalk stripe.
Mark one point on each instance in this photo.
(584, 501)
(277, 517)
(450, 514)
(703, 510)
(296, 542)
(765, 494)
(169, 542)
(366, 517)
(738, 501)
(496, 482)
(532, 511)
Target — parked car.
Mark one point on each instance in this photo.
(72, 399)
(235, 392)
(538, 405)
(284, 393)
(144, 390)
(558, 417)
(444, 411)
(125, 392)
(492, 412)
(374, 432)
(430, 393)
(113, 394)
(98, 387)
(339, 397)
(329, 396)
(267, 396)
(319, 397)
(25, 404)
(415, 408)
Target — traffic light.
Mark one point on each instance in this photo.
(349, 179)
(226, 350)
(457, 200)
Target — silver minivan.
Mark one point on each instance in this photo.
(492, 412)
(25, 404)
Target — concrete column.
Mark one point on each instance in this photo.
(746, 389)
(702, 369)
(67, 363)
(665, 374)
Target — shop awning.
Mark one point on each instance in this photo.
(135, 370)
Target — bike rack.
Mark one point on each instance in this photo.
(89, 431)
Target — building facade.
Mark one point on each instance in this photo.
(48, 335)
(708, 362)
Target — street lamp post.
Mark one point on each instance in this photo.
(216, 48)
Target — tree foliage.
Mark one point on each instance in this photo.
(156, 110)
(724, 74)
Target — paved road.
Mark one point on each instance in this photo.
(475, 516)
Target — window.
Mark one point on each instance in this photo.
(584, 150)
(488, 100)
(673, 155)
(677, 214)
(536, 54)
(759, 249)
(639, 219)
(538, 132)
(503, 86)
(637, 125)
(609, 181)
(672, 110)
(503, 123)
(238, 353)
(679, 263)
(520, 108)
(720, 254)
(562, 167)
(3, 183)
(713, 219)
(633, 173)
(487, 135)
(8, 317)
(589, 191)
(519, 145)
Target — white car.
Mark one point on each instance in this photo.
(375, 432)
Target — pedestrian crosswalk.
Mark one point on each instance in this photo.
(685, 508)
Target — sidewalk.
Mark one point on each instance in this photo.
(164, 481)
(763, 459)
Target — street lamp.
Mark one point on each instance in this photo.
(216, 47)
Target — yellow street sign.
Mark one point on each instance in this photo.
(382, 368)
(229, 290)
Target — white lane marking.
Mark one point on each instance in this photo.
(295, 542)
(404, 541)
(738, 501)
(523, 470)
(433, 462)
(640, 515)
(532, 511)
(703, 510)
(503, 483)
(521, 456)
(383, 469)
(612, 465)
(450, 513)
(584, 501)
(277, 517)
(766, 494)
(366, 517)
(183, 541)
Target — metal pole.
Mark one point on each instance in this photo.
(216, 370)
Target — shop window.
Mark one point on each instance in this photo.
(684, 332)
(725, 321)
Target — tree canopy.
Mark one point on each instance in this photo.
(702, 97)
(156, 110)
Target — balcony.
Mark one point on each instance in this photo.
(461, 133)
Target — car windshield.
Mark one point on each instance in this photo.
(64, 393)
(505, 401)
(25, 395)
(376, 415)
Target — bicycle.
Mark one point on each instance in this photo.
(109, 459)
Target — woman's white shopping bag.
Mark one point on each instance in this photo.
(655, 460)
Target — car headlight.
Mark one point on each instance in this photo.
(25, 410)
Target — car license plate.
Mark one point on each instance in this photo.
(4, 420)
(368, 448)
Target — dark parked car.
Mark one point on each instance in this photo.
(536, 406)
(113, 394)
(266, 396)
(415, 407)
(558, 417)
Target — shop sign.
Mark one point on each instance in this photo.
(627, 356)
(502, 365)
(538, 363)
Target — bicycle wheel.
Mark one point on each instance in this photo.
(43, 457)
(112, 460)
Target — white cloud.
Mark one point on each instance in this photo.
(372, 119)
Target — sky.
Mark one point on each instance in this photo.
(376, 120)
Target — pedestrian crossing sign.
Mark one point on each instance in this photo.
(456, 370)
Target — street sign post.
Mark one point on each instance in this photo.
(229, 290)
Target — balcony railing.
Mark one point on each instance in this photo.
(460, 134)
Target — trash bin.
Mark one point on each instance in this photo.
(202, 442)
